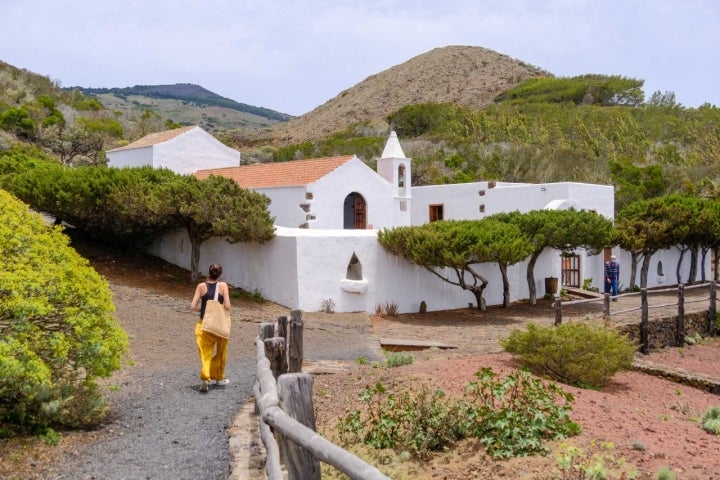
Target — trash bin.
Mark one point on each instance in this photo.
(551, 285)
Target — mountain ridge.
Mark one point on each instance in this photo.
(466, 75)
(185, 91)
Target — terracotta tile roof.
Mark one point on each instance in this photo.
(280, 174)
(154, 138)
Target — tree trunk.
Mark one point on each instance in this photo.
(478, 292)
(195, 244)
(703, 258)
(645, 269)
(530, 275)
(506, 284)
(692, 275)
(679, 264)
(633, 269)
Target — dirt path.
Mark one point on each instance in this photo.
(161, 427)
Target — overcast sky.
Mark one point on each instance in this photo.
(294, 55)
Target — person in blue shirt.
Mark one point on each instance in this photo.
(612, 276)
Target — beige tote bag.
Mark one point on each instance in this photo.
(216, 319)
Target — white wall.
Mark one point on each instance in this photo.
(285, 205)
(463, 201)
(134, 157)
(194, 150)
(330, 191)
(300, 268)
(190, 151)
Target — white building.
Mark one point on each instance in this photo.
(183, 150)
(328, 211)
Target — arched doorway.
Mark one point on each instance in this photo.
(354, 212)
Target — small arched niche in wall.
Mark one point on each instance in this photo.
(660, 273)
(353, 281)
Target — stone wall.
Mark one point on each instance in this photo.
(663, 332)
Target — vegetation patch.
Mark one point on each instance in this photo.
(582, 354)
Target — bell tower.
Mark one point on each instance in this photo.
(394, 167)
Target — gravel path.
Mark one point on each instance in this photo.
(160, 426)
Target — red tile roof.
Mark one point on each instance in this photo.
(155, 138)
(280, 174)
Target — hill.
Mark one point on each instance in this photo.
(186, 104)
(465, 75)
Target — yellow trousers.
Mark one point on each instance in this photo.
(213, 354)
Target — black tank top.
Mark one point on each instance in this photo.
(211, 286)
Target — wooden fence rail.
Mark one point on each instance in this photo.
(644, 309)
(283, 399)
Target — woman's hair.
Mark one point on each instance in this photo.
(215, 271)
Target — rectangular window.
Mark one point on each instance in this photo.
(403, 206)
(436, 213)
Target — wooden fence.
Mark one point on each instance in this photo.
(283, 400)
(644, 308)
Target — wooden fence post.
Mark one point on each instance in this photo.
(275, 352)
(295, 394)
(558, 310)
(712, 310)
(282, 326)
(644, 326)
(606, 304)
(267, 330)
(295, 342)
(680, 324)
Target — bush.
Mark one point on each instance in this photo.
(57, 329)
(579, 354)
(414, 422)
(711, 420)
(398, 359)
(514, 415)
(511, 417)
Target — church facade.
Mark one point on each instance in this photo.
(328, 212)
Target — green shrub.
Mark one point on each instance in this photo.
(398, 359)
(57, 329)
(711, 420)
(514, 415)
(414, 422)
(665, 474)
(580, 354)
(576, 464)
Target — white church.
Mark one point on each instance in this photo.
(327, 213)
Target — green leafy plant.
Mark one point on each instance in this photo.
(57, 328)
(576, 464)
(513, 416)
(577, 353)
(414, 422)
(711, 420)
(665, 474)
(398, 359)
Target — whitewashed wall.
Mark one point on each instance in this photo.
(330, 191)
(463, 201)
(134, 157)
(301, 268)
(285, 205)
(194, 150)
(190, 151)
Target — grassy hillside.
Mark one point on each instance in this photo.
(463, 75)
(186, 104)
